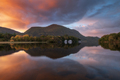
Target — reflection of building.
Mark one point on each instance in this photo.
(70, 41)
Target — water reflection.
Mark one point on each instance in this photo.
(111, 46)
(57, 63)
(50, 50)
(21, 66)
(5, 49)
(90, 63)
(100, 63)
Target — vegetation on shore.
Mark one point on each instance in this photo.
(111, 38)
(6, 36)
(111, 41)
(42, 38)
(53, 30)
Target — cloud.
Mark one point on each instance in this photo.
(22, 14)
(100, 28)
(45, 11)
(102, 20)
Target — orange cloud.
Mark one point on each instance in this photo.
(17, 14)
(47, 4)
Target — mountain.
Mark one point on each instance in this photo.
(55, 30)
(58, 30)
(6, 30)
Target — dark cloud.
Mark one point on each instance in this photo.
(106, 19)
(45, 12)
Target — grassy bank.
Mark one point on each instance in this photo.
(19, 42)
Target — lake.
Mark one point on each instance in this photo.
(58, 62)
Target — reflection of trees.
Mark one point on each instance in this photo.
(50, 50)
(111, 46)
(42, 46)
(5, 47)
(53, 51)
(22, 46)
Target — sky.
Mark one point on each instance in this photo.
(89, 17)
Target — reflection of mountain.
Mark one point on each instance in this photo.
(53, 52)
(56, 52)
(25, 68)
(3, 53)
(50, 50)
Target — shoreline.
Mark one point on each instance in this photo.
(19, 42)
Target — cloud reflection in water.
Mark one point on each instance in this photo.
(91, 63)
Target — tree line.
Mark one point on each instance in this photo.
(111, 41)
(110, 38)
(42, 38)
(6, 36)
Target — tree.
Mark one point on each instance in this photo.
(26, 37)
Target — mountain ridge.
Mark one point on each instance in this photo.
(54, 30)
(7, 30)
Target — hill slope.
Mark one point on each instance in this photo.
(6, 30)
(58, 30)
(55, 30)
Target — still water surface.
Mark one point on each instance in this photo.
(82, 62)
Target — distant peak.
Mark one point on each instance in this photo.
(55, 25)
(35, 27)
